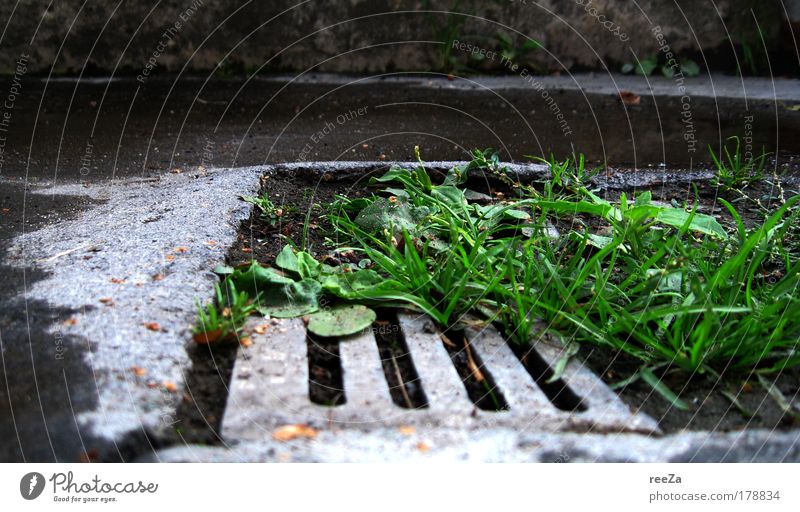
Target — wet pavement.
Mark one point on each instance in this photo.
(97, 129)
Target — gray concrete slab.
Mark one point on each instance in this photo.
(93, 347)
(713, 85)
(498, 445)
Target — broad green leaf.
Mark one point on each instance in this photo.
(307, 266)
(223, 270)
(456, 176)
(517, 214)
(646, 66)
(643, 199)
(690, 68)
(290, 301)
(394, 173)
(601, 210)
(341, 320)
(287, 260)
(677, 217)
(353, 285)
(453, 196)
(598, 241)
(398, 192)
(393, 215)
(257, 278)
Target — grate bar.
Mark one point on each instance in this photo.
(521, 393)
(604, 406)
(364, 381)
(442, 384)
(270, 381)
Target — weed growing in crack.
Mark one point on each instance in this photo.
(269, 212)
(667, 285)
(215, 324)
(734, 170)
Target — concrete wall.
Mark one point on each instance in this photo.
(126, 35)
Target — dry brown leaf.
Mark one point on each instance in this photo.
(246, 342)
(107, 300)
(158, 277)
(88, 457)
(629, 98)
(181, 249)
(153, 326)
(170, 386)
(290, 432)
(70, 321)
(260, 329)
(117, 280)
(423, 447)
(407, 430)
(447, 341)
(473, 368)
(138, 371)
(204, 338)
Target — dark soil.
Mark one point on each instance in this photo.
(476, 378)
(711, 410)
(404, 384)
(199, 416)
(325, 379)
(561, 395)
(295, 195)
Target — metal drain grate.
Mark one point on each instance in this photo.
(270, 387)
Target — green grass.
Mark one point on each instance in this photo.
(214, 324)
(271, 213)
(735, 171)
(669, 286)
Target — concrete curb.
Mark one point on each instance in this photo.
(125, 276)
(499, 445)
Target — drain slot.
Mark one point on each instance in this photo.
(405, 386)
(477, 379)
(557, 391)
(325, 376)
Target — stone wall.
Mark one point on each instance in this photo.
(365, 36)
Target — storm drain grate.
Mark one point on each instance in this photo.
(414, 377)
